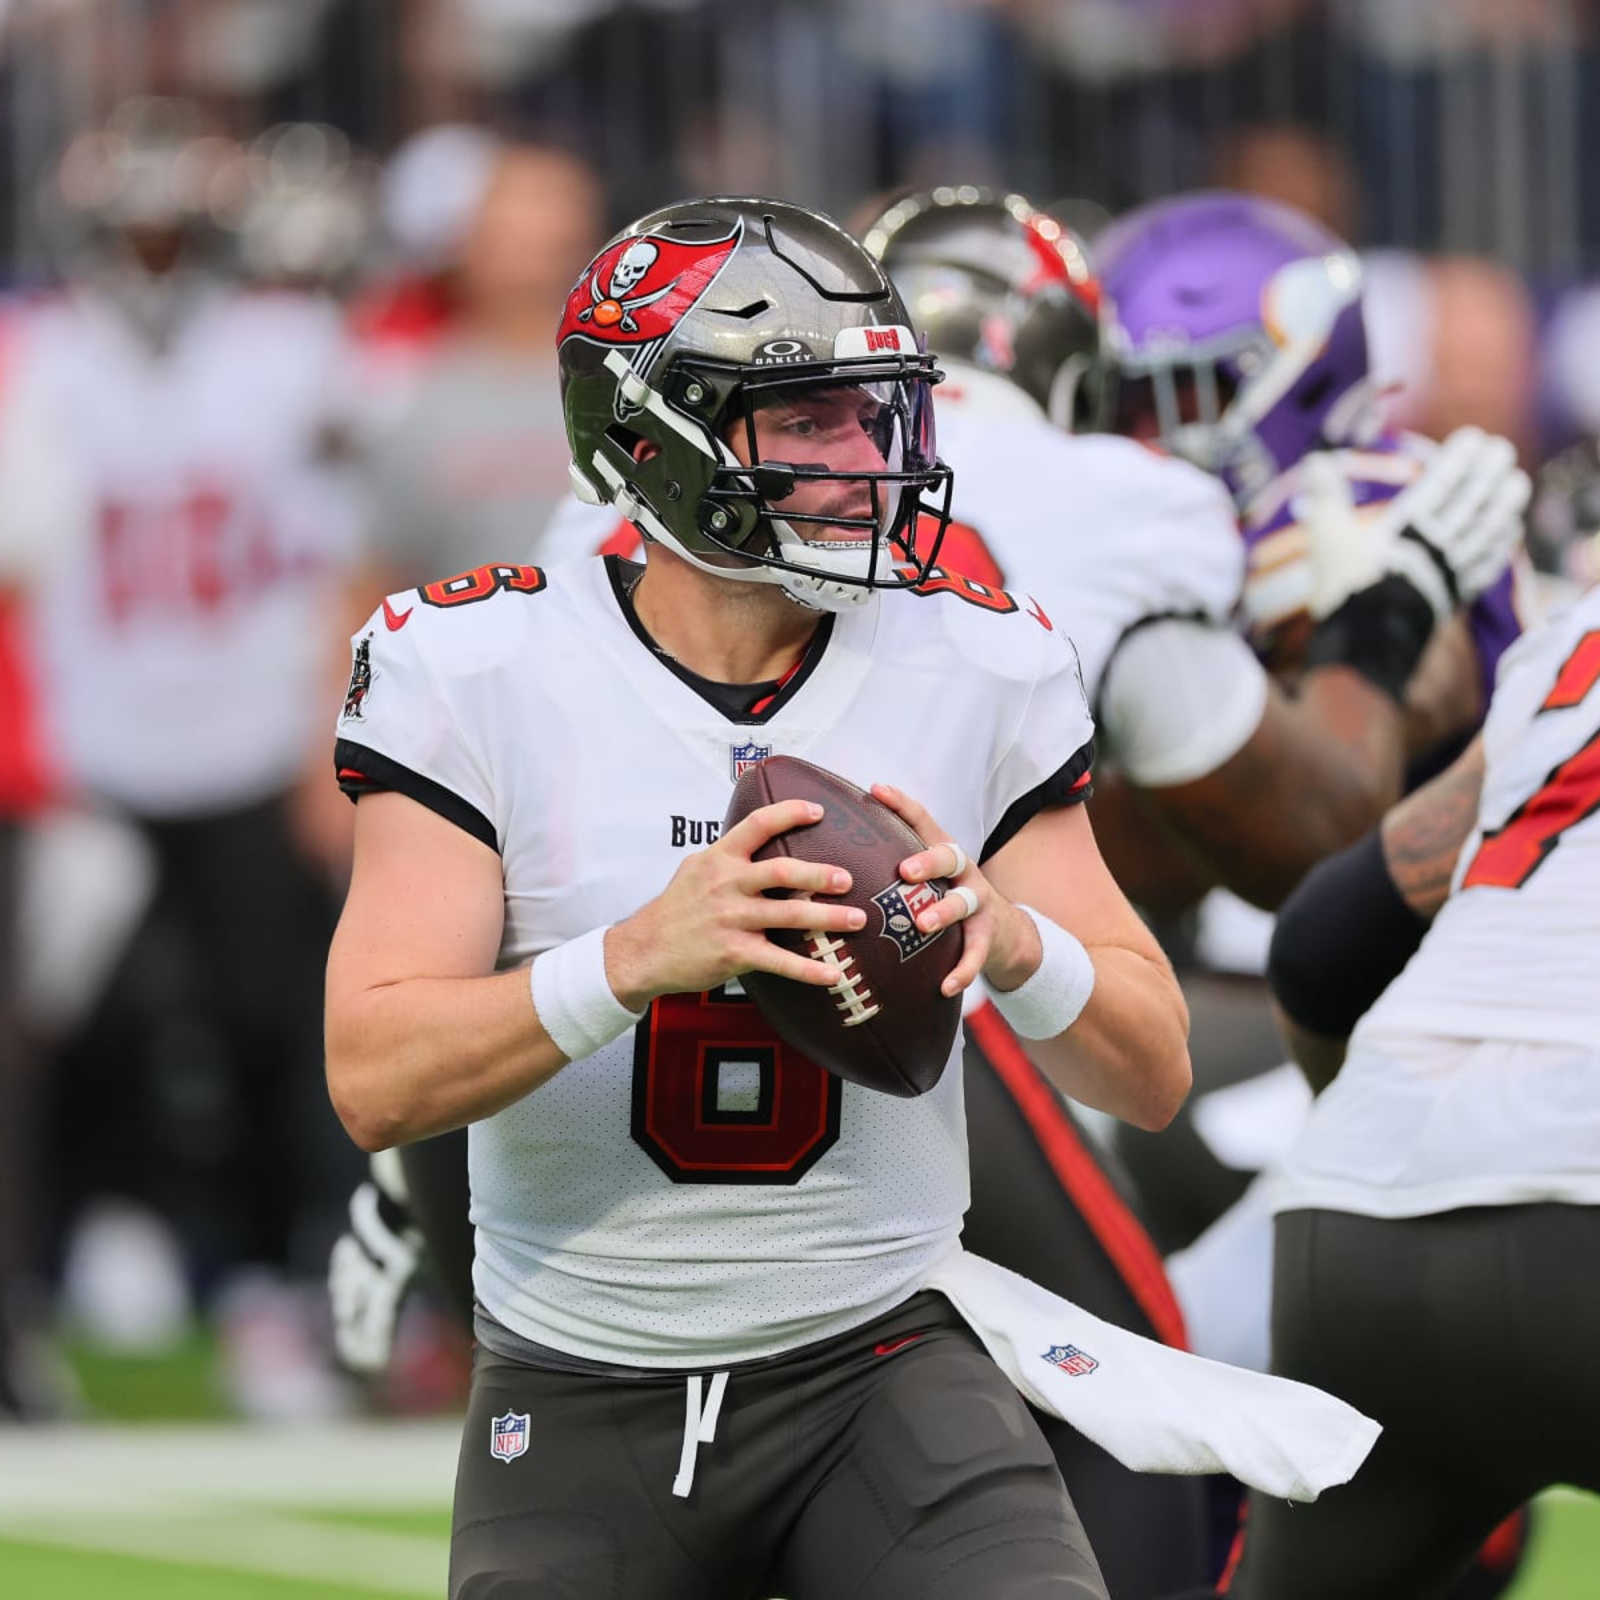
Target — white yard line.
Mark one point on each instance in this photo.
(224, 1496)
(396, 1466)
(256, 1542)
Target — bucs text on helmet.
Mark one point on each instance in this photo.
(992, 280)
(704, 317)
(1238, 335)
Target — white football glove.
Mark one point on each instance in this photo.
(371, 1267)
(1450, 534)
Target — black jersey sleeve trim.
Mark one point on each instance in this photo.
(1069, 785)
(361, 771)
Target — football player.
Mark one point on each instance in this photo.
(188, 531)
(1240, 346)
(1433, 1215)
(739, 379)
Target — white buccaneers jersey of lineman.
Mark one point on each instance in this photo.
(1423, 1116)
(1136, 555)
(695, 1192)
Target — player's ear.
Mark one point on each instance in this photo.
(645, 449)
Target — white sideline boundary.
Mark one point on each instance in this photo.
(225, 1496)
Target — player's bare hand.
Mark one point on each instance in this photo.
(710, 923)
(998, 940)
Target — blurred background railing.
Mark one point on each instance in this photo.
(1458, 125)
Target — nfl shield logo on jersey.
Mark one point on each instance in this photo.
(741, 757)
(508, 1437)
(901, 905)
(1072, 1361)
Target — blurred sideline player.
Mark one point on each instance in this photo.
(598, 1258)
(189, 534)
(1437, 1216)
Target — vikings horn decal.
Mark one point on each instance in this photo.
(637, 290)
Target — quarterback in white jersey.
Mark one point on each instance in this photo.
(1438, 1215)
(661, 1190)
(658, 1245)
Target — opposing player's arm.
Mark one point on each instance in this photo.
(1243, 785)
(1126, 1051)
(1350, 928)
(424, 1036)
(1314, 774)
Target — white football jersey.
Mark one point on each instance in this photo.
(189, 537)
(696, 1192)
(1475, 1078)
(1113, 533)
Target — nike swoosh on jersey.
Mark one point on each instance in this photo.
(395, 620)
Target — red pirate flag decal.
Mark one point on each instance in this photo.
(638, 289)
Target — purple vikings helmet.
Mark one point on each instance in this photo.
(1238, 335)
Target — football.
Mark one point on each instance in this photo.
(886, 1026)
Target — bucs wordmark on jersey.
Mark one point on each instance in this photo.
(697, 1192)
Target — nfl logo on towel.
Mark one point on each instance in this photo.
(1070, 1359)
(741, 757)
(508, 1437)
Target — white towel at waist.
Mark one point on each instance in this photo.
(1154, 1408)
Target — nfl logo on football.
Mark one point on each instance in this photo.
(508, 1435)
(1070, 1359)
(901, 905)
(741, 757)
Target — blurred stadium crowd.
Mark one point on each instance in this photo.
(291, 269)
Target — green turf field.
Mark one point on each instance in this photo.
(342, 1512)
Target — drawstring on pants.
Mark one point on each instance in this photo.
(699, 1425)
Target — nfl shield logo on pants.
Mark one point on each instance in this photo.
(508, 1437)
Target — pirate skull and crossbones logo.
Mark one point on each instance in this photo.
(616, 306)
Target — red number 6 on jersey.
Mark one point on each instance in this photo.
(719, 1098)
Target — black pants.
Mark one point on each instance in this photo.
(896, 1462)
(196, 1084)
(1045, 1203)
(1472, 1337)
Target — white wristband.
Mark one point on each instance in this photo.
(574, 998)
(1052, 999)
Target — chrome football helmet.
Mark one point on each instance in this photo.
(993, 281)
(683, 339)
